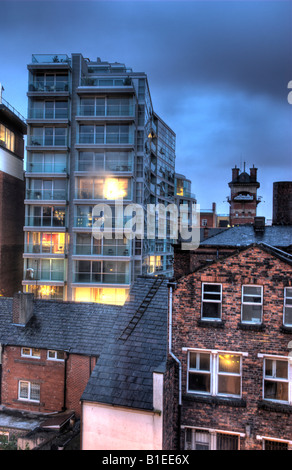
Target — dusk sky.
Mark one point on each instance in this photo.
(218, 75)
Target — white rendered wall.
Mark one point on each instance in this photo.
(112, 428)
(11, 165)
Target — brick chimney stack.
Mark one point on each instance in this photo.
(235, 173)
(22, 308)
(253, 173)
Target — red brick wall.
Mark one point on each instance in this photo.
(11, 234)
(51, 377)
(251, 266)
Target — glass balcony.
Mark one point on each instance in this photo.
(47, 141)
(113, 250)
(102, 278)
(58, 87)
(95, 139)
(59, 113)
(50, 59)
(103, 111)
(46, 167)
(47, 195)
(87, 221)
(106, 82)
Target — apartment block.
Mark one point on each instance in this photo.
(12, 131)
(93, 138)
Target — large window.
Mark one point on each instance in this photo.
(46, 189)
(48, 136)
(201, 439)
(47, 162)
(28, 391)
(48, 110)
(100, 188)
(214, 373)
(7, 138)
(288, 306)
(49, 82)
(45, 216)
(105, 161)
(45, 269)
(42, 242)
(211, 301)
(106, 107)
(107, 272)
(252, 304)
(276, 380)
(109, 134)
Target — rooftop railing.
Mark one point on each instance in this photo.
(50, 59)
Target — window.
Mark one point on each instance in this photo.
(31, 352)
(29, 391)
(276, 382)
(211, 301)
(252, 304)
(55, 355)
(7, 138)
(201, 439)
(274, 445)
(288, 306)
(214, 373)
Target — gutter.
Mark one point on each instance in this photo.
(171, 286)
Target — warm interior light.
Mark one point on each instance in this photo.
(115, 189)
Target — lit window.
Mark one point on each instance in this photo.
(276, 381)
(214, 373)
(31, 352)
(252, 304)
(288, 306)
(211, 301)
(29, 391)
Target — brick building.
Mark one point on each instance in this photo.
(49, 350)
(12, 131)
(231, 331)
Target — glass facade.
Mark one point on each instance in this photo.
(115, 149)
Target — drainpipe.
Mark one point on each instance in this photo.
(65, 379)
(171, 286)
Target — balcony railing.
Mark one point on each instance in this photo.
(106, 82)
(91, 194)
(103, 111)
(105, 251)
(59, 113)
(58, 87)
(102, 278)
(47, 141)
(46, 167)
(44, 221)
(95, 139)
(47, 195)
(50, 59)
(87, 221)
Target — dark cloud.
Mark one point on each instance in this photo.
(218, 73)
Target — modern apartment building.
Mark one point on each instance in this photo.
(12, 131)
(93, 138)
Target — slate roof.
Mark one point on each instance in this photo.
(243, 235)
(75, 327)
(130, 340)
(123, 375)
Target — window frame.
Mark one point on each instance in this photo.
(30, 355)
(287, 306)
(55, 358)
(190, 442)
(211, 301)
(252, 303)
(29, 391)
(214, 372)
(273, 378)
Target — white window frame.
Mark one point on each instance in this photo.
(275, 379)
(212, 436)
(29, 387)
(30, 355)
(211, 301)
(289, 306)
(251, 303)
(55, 358)
(214, 372)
